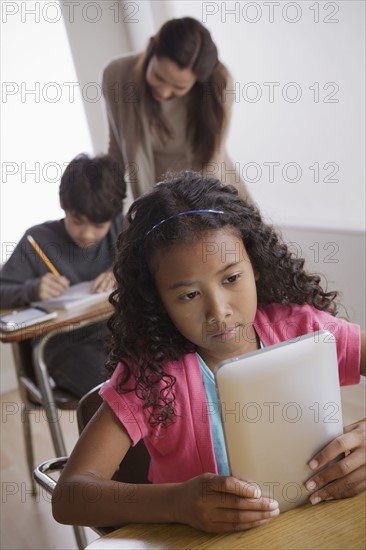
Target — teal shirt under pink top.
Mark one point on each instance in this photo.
(185, 449)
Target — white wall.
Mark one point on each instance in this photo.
(96, 34)
(43, 121)
(297, 132)
(310, 130)
(318, 139)
(338, 256)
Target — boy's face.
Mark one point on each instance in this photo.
(208, 288)
(84, 232)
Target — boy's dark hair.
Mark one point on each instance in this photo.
(93, 187)
(142, 333)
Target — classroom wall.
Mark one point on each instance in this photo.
(42, 117)
(91, 51)
(127, 26)
(297, 131)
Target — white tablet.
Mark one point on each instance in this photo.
(279, 406)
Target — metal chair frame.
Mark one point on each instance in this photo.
(134, 468)
(36, 392)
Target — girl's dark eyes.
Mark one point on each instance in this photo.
(232, 278)
(228, 281)
(189, 296)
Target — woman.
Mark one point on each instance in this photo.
(168, 108)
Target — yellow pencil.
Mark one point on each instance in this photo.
(42, 255)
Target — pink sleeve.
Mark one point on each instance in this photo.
(127, 407)
(277, 323)
(348, 338)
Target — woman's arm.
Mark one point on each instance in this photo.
(85, 494)
(117, 83)
(114, 145)
(111, 100)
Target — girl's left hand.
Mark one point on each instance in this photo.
(344, 478)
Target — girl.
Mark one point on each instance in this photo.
(169, 107)
(201, 278)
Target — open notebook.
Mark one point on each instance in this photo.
(77, 295)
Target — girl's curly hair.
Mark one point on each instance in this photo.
(143, 336)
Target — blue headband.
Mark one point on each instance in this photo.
(183, 214)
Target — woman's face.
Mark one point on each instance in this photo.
(167, 80)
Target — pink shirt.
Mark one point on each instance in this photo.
(184, 449)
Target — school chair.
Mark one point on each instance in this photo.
(134, 468)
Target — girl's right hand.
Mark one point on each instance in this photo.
(52, 285)
(215, 503)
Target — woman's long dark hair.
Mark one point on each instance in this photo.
(143, 336)
(189, 44)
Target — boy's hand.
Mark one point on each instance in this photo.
(52, 285)
(216, 504)
(345, 478)
(104, 282)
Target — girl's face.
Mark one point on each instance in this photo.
(208, 288)
(167, 80)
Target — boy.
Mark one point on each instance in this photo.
(81, 248)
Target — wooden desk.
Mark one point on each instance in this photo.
(336, 525)
(66, 318)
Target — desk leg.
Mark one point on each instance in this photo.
(25, 410)
(47, 395)
(52, 416)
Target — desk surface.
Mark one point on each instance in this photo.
(337, 525)
(72, 317)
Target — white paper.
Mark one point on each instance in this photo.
(76, 295)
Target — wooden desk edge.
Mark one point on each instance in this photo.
(97, 312)
(301, 528)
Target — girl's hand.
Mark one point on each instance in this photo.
(52, 285)
(345, 478)
(216, 504)
(104, 282)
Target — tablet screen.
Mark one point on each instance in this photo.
(279, 406)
